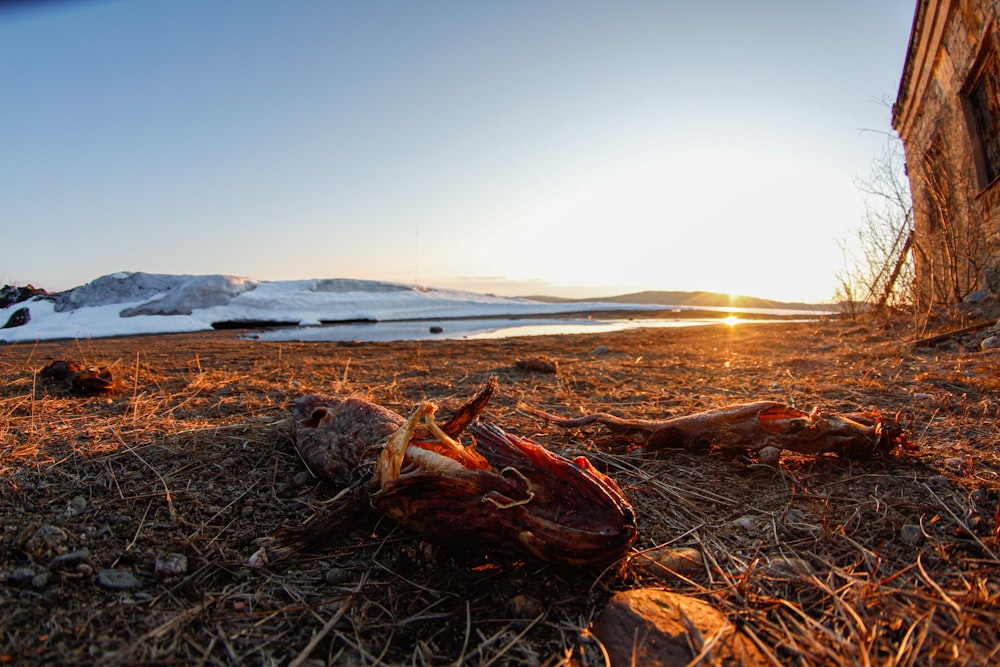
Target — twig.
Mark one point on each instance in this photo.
(930, 341)
(468, 632)
(940, 591)
(327, 627)
(513, 641)
(166, 489)
(962, 526)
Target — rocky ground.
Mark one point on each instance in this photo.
(137, 524)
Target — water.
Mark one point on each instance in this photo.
(486, 328)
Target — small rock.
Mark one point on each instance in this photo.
(955, 462)
(93, 532)
(41, 580)
(746, 523)
(46, 542)
(304, 478)
(525, 606)
(170, 565)
(258, 558)
(84, 569)
(117, 580)
(77, 506)
(436, 330)
(794, 516)
(911, 534)
(980, 497)
(921, 396)
(20, 576)
(672, 564)
(71, 558)
(769, 456)
(783, 566)
(540, 364)
(655, 627)
(990, 343)
(978, 296)
(336, 575)
(600, 350)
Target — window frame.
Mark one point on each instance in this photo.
(986, 64)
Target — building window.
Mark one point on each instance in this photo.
(982, 103)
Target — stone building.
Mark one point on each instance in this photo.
(947, 113)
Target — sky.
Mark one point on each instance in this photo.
(571, 148)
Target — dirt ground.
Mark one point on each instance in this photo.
(889, 561)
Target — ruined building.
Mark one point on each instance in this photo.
(947, 113)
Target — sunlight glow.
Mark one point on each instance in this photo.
(731, 320)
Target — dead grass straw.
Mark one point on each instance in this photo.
(193, 456)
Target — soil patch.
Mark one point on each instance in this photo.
(136, 525)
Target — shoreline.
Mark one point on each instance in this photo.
(245, 328)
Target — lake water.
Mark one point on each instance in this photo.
(473, 329)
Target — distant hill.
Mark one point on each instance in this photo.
(693, 299)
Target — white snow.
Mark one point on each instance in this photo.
(123, 304)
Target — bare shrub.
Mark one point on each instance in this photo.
(878, 260)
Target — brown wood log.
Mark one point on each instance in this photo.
(931, 341)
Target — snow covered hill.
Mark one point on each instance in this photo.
(142, 303)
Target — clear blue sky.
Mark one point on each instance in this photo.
(515, 147)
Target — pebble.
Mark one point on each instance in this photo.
(600, 350)
(436, 329)
(784, 566)
(170, 565)
(46, 542)
(990, 343)
(41, 580)
(303, 478)
(117, 580)
(955, 462)
(746, 523)
(336, 575)
(77, 506)
(980, 497)
(978, 296)
(911, 534)
(20, 576)
(525, 606)
(258, 558)
(71, 558)
(769, 456)
(672, 564)
(795, 516)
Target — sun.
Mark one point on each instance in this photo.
(731, 320)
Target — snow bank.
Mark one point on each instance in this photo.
(142, 303)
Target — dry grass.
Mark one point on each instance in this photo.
(192, 455)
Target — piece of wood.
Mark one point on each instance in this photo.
(931, 341)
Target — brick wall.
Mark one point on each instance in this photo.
(947, 114)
